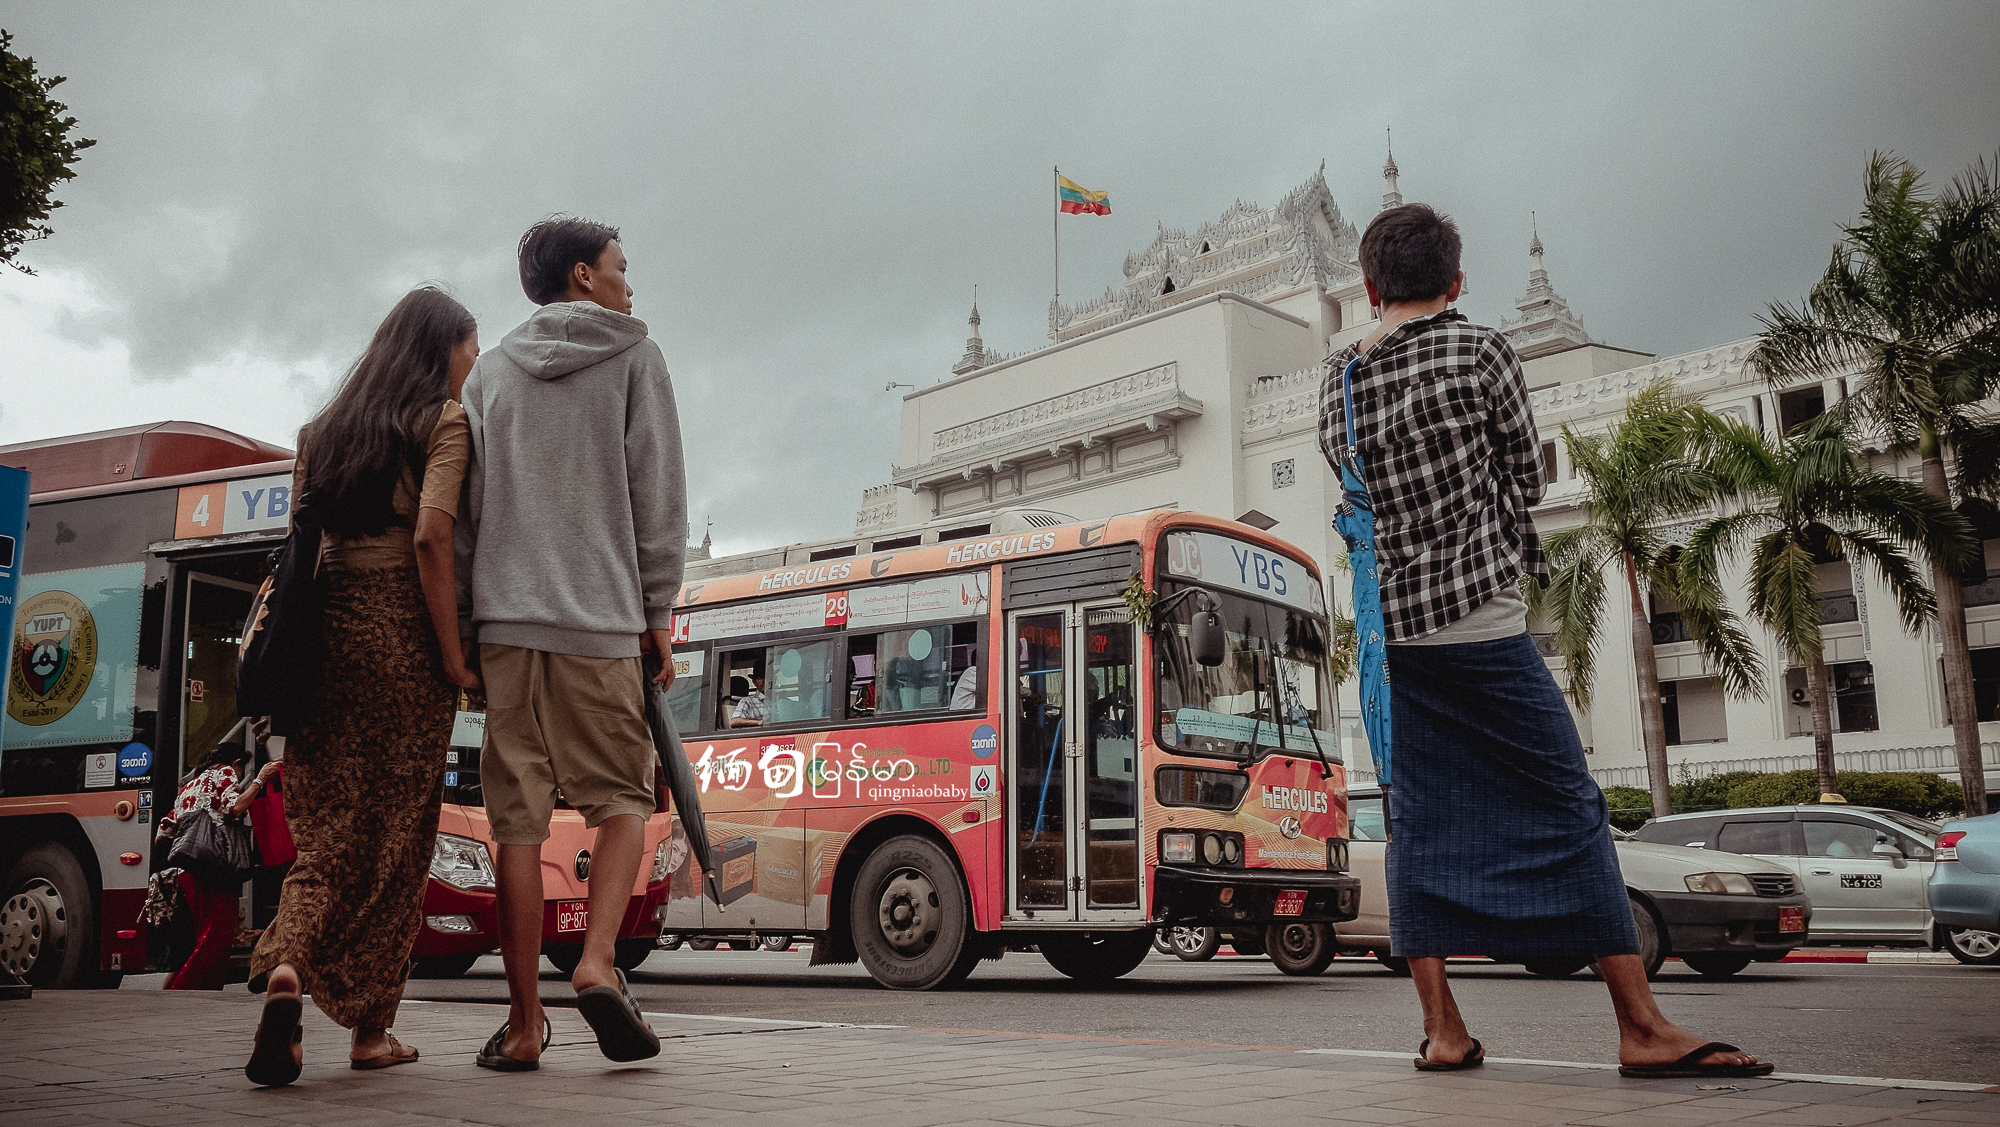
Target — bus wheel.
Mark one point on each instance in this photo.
(629, 953)
(48, 923)
(1301, 949)
(444, 966)
(1096, 956)
(1715, 966)
(565, 957)
(1395, 964)
(777, 943)
(911, 917)
(672, 940)
(702, 943)
(1554, 967)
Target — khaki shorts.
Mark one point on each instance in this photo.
(559, 722)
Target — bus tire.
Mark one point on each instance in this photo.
(48, 921)
(702, 943)
(672, 941)
(1554, 966)
(443, 966)
(1714, 965)
(911, 917)
(1301, 949)
(1096, 956)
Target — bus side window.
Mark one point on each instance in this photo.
(861, 677)
(800, 683)
(914, 669)
(736, 677)
(684, 696)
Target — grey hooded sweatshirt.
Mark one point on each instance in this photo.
(573, 527)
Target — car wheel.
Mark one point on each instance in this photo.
(702, 943)
(1163, 940)
(1555, 967)
(777, 943)
(672, 941)
(1096, 956)
(1396, 964)
(627, 954)
(1196, 944)
(1300, 949)
(1652, 951)
(911, 917)
(1715, 966)
(1970, 945)
(1247, 942)
(443, 966)
(565, 957)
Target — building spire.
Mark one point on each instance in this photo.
(1545, 323)
(1391, 195)
(975, 349)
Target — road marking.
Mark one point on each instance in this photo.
(789, 1024)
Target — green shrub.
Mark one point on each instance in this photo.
(1630, 806)
(1710, 792)
(1920, 793)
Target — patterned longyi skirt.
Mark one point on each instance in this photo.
(363, 780)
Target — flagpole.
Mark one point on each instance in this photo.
(1055, 223)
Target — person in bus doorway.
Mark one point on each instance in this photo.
(570, 557)
(380, 467)
(1499, 841)
(212, 792)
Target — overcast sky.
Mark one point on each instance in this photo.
(809, 192)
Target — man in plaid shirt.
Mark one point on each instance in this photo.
(1499, 839)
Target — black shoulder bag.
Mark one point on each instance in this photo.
(279, 661)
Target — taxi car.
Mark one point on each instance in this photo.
(1715, 911)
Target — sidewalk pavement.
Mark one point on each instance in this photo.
(173, 1059)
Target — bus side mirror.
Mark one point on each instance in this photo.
(1205, 635)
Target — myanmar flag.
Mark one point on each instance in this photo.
(1075, 199)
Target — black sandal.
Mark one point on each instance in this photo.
(613, 1014)
(1473, 1058)
(278, 1031)
(1689, 1067)
(493, 1056)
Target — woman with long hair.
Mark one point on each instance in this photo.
(379, 469)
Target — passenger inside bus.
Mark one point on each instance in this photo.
(753, 710)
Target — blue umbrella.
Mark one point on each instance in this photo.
(1355, 520)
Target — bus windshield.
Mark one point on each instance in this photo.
(1269, 694)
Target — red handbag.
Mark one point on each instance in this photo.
(267, 823)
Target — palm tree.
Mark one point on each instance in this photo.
(1808, 499)
(1909, 310)
(1642, 475)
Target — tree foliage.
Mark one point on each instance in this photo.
(37, 149)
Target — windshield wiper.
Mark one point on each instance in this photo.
(1325, 766)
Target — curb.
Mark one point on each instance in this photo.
(1926, 958)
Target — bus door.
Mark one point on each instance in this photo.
(211, 632)
(1072, 764)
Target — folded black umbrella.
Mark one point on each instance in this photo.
(681, 781)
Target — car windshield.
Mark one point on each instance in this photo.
(1922, 827)
(1269, 693)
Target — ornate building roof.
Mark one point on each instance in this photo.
(1545, 323)
(1251, 250)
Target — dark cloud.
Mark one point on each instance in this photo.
(809, 192)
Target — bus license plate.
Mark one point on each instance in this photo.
(1291, 902)
(572, 915)
(1791, 919)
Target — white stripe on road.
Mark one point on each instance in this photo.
(771, 1021)
(1866, 1081)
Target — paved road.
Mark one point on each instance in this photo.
(1915, 1022)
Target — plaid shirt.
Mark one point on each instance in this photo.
(1448, 447)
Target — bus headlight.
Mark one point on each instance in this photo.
(462, 863)
(1177, 847)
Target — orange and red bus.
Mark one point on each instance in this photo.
(144, 547)
(929, 756)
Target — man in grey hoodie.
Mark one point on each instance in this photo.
(570, 554)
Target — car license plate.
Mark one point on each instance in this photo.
(1791, 919)
(1291, 902)
(572, 915)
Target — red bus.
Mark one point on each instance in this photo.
(927, 757)
(144, 547)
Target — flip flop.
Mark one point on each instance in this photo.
(278, 1031)
(1473, 1058)
(613, 1014)
(390, 1059)
(1687, 1066)
(493, 1056)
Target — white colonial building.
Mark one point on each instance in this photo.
(1196, 385)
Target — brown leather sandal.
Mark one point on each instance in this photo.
(279, 1047)
(390, 1059)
